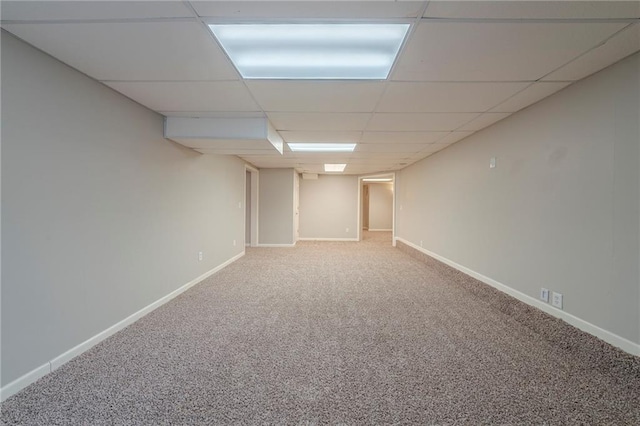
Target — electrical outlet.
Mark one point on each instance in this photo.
(346, 230)
(556, 299)
(492, 162)
(544, 294)
(200, 255)
(234, 242)
(420, 243)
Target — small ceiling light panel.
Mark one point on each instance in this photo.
(312, 51)
(322, 147)
(334, 167)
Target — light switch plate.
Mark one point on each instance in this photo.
(544, 294)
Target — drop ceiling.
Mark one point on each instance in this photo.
(464, 66)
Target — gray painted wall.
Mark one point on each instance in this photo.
(247, 207)
(380, 206)
(276, 206)
(101, 215)
(328, 206)
(561, 210)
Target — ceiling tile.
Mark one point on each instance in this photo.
(533, 9)
(316, 96)
(188, 96)
(400, 149)
(231, 151)
(76, 10)
(622, 45)
(445, 97)
(149, 51)
(418, 122)
(307, 9)
(472, 51)
(318, 121)
(301, 136)
(485, 120)
(453, 137)
(528, 96)
(401, 137)
(271, 159)
(327, 157)
(381, 155)
(213, 114)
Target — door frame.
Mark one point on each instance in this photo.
(255, 179)
(391, 175)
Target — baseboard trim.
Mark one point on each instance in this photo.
(327, 239)
(277, 245)
(41, 371)
(609, 337)
(24, 381)
(379, 230)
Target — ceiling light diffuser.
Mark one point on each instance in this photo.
(334, 167)
(312, 51)
(377, 180)
(322, 147)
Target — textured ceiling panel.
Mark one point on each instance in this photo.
(140, 51)
(418, 122)
(319, 121)
(622, 45)
(528, 96)
(307, 9)
(533, 9)
(72, 10)
(316, 96)
(446, 97)
(189, 96)
(464, 51)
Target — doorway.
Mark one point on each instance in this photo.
(251, 207)
(376, 206)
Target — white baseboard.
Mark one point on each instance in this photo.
(327, 239)
(609, 337)
(276, 245)
(379, 230)
(24, 381)
(35, 374)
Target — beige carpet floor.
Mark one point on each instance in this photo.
(339, 333)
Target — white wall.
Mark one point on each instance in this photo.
(276, 223)
(328, 206)
(101, 215)
(380, 206)
(561, 210)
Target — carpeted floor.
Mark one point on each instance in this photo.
(339, 333)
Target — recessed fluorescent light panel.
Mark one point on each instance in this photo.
(322, 147)
(334, 167)
(312, 51)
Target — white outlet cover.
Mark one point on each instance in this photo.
(556, 299)
(492, 163)
(544, 294)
